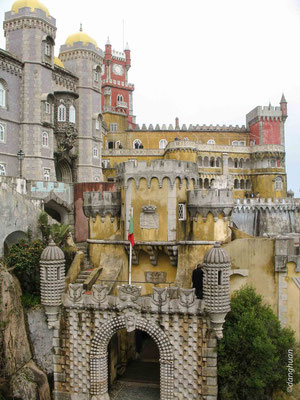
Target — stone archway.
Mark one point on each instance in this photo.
(99, 362)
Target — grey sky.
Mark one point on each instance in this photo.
(207, 62)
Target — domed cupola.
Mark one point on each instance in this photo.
(216, 268)
(52, 275)
(81, 38)
(32, 4)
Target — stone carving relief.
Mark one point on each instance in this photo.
(155, 277)
(160, 296)
(130, 321)
(75, 292)
(128, 296)
(149, 218)
(99, 293)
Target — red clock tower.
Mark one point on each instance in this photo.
(116, 91)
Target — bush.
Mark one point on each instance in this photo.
(253, 354)
(24, 257)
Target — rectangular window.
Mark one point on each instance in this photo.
(47, 49)
(47, 108)
(97, 124)
(181, 212)
(113, 127)
(96, 76)
(2, 132)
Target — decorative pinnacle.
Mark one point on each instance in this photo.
(127, 46)
(51, 241)
(108, 41)
(283, 100)
(80, 29)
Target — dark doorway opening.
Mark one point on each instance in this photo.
(134, 370)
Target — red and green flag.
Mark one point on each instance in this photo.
(130, 232)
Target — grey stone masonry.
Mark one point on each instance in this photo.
(101, 203)
(215, 201)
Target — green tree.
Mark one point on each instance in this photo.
(253, 354)
(59, 232)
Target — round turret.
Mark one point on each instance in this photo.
(52, 274)
(216, 268)
(32, 4)
(80, 37)
(216, 255)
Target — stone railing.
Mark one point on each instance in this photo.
(132, 152)
(199, 128)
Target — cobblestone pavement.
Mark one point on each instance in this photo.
(134, 392)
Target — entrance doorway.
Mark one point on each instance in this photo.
(134, 368)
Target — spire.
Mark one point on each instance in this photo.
(127, 46)
(108, 41)
(80, 29)
(283, 100)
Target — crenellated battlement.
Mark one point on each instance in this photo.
(259, 112)
(198, 128)
(101, 203)
(159, 169)
(215, 201)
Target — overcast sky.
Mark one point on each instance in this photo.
(204, 61)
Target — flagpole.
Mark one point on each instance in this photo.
(130, 263)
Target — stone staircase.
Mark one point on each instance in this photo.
(86, 268)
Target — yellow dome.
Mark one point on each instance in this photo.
(80, 37)
(58, 62)
(33, 4)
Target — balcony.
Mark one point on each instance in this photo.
(122, 104)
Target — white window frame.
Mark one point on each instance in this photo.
(45, 139)
(61, 113)
(113, 127)
(181, 211)
(2, 95)
(97, 125)
(95, 152)
(47, 172)
(136, 141)
(162, 144)
(47, 49)
(211, 141)
(105, 163)
(2, 133)
(96, 76)
(47, 108)
(72, 114)
(278, 183)
(2, 169)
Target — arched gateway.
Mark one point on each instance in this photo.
(99, 362)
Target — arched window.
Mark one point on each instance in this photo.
(45, 140)
(162, 143)
(2, 95)
(236, 163)
(95, 152)
(211, 141)
(120, 98)
(97, 124)
(236, 184)
(46, 174)
(72, 114)
(61, 113)
(47, 49)
(212, 162)
(113, 127)
(278, 183)
(1, 133)
(2, 169)
(137, 144)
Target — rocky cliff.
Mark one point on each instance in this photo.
(20, 377)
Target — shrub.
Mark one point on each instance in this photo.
(253, 354)
(24, 257)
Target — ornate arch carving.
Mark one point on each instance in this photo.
(99, 363)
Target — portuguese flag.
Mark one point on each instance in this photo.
(130, 233)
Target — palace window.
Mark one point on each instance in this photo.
(162, 144)
(96, 76)
(181, 211)
(2, 133)
(3, 92)
(105, 163)
(46, 174)
(47, 108)
(45, 139)
(134, 161)
(97, 124)
(278, 183)
(113, 127)
(48, 49)
(97, 179)
(2, 169)
(61, 113)
(137, 144)
(95, 152)
(211, 141)
(120, 98)
(72, 114)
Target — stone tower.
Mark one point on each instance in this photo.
(216, 267)
(81, 55)
(30, 35)
(52, 275)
